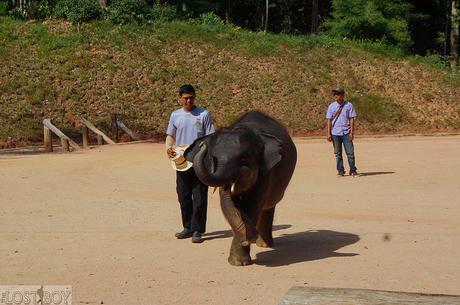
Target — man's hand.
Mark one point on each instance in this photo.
(171, 152)
(329, 138)
(351, 136)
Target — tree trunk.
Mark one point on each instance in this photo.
(266, 16)
(454, 36)
(314, 17)
(448, 28)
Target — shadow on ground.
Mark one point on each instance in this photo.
(306, 246)
(228, 233)
(375, 173)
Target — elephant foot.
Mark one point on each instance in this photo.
(263, 243)
(239, 255)
(239, 261)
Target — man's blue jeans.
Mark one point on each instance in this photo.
(337, 141)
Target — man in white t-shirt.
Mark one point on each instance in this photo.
(185, 126)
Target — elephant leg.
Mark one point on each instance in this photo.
(239, 255)
(243, 229)
(265, 228)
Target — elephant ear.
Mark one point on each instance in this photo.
(194, 148)
(272, 150)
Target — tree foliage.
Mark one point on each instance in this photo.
(372, 19)
(417, 26)
(78, 11)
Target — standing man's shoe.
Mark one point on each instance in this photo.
(340, 174)
(196, 237)
(185, 233)
(354, 174)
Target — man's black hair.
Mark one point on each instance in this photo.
(186, 89)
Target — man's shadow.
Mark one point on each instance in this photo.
(374, 173)
(228, 233)
(306, 246)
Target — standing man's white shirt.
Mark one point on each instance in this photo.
(186, 127)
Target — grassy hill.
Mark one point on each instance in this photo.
(48, 70)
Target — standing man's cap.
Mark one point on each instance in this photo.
(339, 90)
(186, 89)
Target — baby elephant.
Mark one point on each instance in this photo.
(251, 162)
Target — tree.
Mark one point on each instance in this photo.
(386, 21)
(314, 17)
(266, 16)
(454, 34)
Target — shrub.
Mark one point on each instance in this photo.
(439, 61)
(210, 18)
(78, 11)
(163, 12)
(126, 11)
(3, 8)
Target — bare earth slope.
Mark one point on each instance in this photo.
(103, 221)
(50, 71)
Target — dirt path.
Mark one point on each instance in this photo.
(103, 221)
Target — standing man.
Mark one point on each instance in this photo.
(341, 117)
(185, 126)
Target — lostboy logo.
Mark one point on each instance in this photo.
(35, 295)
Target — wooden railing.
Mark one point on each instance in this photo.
(117, 123)
(66, 142)
(87, 125)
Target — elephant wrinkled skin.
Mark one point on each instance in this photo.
(252, 162)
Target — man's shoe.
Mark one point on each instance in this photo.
(185, 233)
(340, 174)
(354, 174)
(196, 237)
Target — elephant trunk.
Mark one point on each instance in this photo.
(208, 176)
(243, 229)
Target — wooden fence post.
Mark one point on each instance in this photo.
(114, 127)
(65, 145)
(100, 140)
(85, 133)
(48, 143)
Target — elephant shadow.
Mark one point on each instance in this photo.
(229, 233)
(306, 246)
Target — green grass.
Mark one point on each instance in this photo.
(381, 112)
(50, 70)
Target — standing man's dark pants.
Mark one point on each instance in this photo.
(337, 141)
(193, 199)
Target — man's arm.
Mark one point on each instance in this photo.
(352, 128)
(170, 141)
(329, 127)
(208, 124)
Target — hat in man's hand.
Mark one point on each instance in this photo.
(339, 90)
(179, 163)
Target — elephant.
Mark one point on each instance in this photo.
(252, 162)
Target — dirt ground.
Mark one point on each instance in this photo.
(104, 220)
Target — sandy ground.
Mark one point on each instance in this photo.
(104, 220)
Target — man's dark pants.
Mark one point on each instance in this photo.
(193, 199)
(337, 141)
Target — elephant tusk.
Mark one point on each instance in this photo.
(232, 189)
